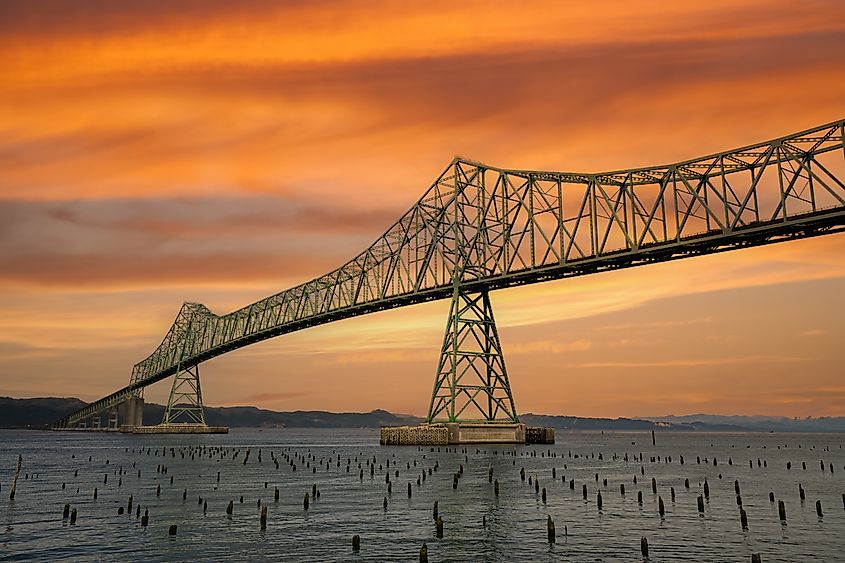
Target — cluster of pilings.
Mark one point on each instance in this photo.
(100, 483)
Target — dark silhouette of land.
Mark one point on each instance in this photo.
(41, 412)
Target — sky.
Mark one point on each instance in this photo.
(155, 152)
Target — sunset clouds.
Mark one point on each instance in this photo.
(158, 152)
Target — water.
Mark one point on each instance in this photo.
(33, 528)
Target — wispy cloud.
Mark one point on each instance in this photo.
(692, 362)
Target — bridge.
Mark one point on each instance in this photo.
(479, 228)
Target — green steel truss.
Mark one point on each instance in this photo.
(185, 403)
(484, 228)
(471, 384)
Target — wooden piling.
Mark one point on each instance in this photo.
(644, 547)
(172, 530)
(550, 529)
(73, 516)
(439, 524)
(496, 489)
(743, 519)
(307, 498)
(819, 508)
(356, 543)
(781, 511)
(230, 508)
(66, 511)
(263, 517)
(424, 553)
(15, 478)
(660, 508)
(598, 499)
(701, 504)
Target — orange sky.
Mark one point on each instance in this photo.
(157, 152)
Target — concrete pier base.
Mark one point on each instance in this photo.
(179, 429)
(464, 433)
(460, 433)
(134, 412)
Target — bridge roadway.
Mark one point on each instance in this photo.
(485, 228)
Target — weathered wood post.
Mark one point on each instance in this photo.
(264, 517)
(356, 543)
(15, 478)
(424, 553)
(644, 547)
(550, 528)
(781, 511)
(439, 525)
(172, 530)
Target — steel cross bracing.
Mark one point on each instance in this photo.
(487, 228)
(471, 384)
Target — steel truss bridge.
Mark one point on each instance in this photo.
(480, 228)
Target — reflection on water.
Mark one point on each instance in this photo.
(32, 524)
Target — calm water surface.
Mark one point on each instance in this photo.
(33, 528)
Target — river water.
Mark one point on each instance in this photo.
(478, 525)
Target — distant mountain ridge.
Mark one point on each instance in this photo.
(41, 412)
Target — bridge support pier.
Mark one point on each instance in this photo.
(471, 384)
(185, 403)
(134, 413)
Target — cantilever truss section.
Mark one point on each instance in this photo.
(487, 228)
(185, 403)
(471, 384)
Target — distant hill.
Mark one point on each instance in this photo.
(41, 412)
(762, 423)
(579, 423)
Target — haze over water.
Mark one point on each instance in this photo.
(32, 524)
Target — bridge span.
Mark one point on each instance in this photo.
(479, 228)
